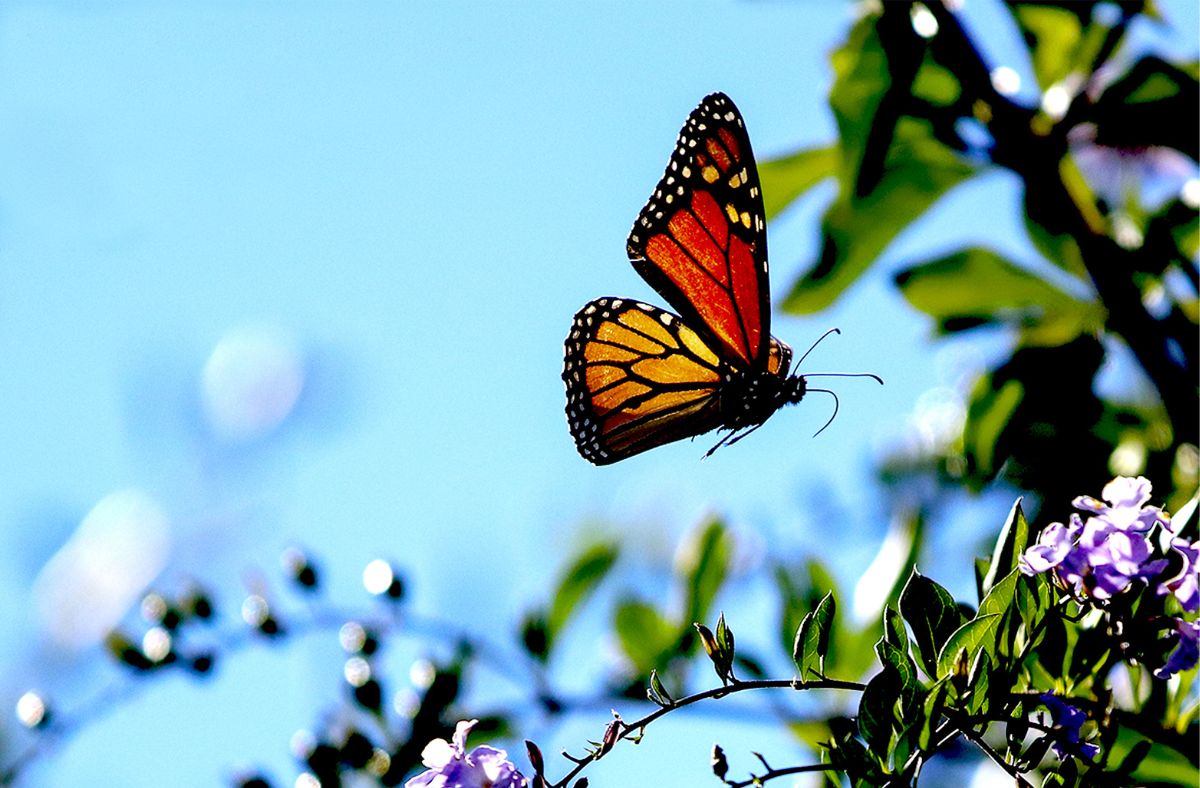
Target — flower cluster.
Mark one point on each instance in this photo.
(1068, 721)
(451, 766)
(1122, 542)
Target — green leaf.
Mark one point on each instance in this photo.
(1054, 35)
(1011, 544)
(708, 553)
(932, 614)
(978, 683)
(1162, 765)
(856, 230)
(979, 633)
(987, 415)
(787, 177)
(905, 669)
(909, 168)
(893, 628)
(644, 634)
(578, 582)
(1000, 598)
(877, 710)
(976, 286)
(811, 645)
(931, 712)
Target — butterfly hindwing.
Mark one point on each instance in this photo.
(701, 240)
(637, 377)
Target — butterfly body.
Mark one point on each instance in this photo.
(638, 376)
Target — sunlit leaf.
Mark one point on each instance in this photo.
(932, 614)
(706, 565)
(987, 416)
(645, 635)
(787, 177)
(811, 645)
(1053, 35)
(856, 230)
(975, 286)
(1012, 542)
(979, 633)
(578, 582)
(910, 168)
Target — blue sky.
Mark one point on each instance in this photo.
(415, 199)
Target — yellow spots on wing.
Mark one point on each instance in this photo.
(745, 219)
(657, 408)
(617, 398)
(640, 321)
(696, 345)
(735, 181)
(617, 334)
(732, 212)
(710, 174)
(598, 351)
(601, 375)
(675, 368)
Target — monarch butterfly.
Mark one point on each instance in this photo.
(638, 376)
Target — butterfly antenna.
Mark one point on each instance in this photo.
(835, 409)
(871, 375)
(821, 339)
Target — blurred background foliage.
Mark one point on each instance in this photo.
(1098, 376)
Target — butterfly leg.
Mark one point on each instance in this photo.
(733, 437)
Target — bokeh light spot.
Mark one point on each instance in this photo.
(352, 636)
(31, 710)
(357, 671)
(251, 382)
(1005, 80)
(378, 576)
(86, 587)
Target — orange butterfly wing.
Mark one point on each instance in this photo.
(637, 378)
(701, 240)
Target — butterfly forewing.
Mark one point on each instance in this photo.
(701, 239)
(637, 378)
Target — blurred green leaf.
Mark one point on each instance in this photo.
(578, 582)
(1053, 35)
(977, 285)
(787, 177)
(937, 85)
(909, 168)
(1161, 765)
(979, 633)
(1012, 542)
(932, 614)
(646, 637)
(855, 231)
(987, 415)
(706, 564)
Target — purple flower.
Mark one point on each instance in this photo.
(1186, 652)
(451, 766)
(1183, 583)
(1068, 720)
(1126, 509)
(1102, 556)
(1054, 544)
